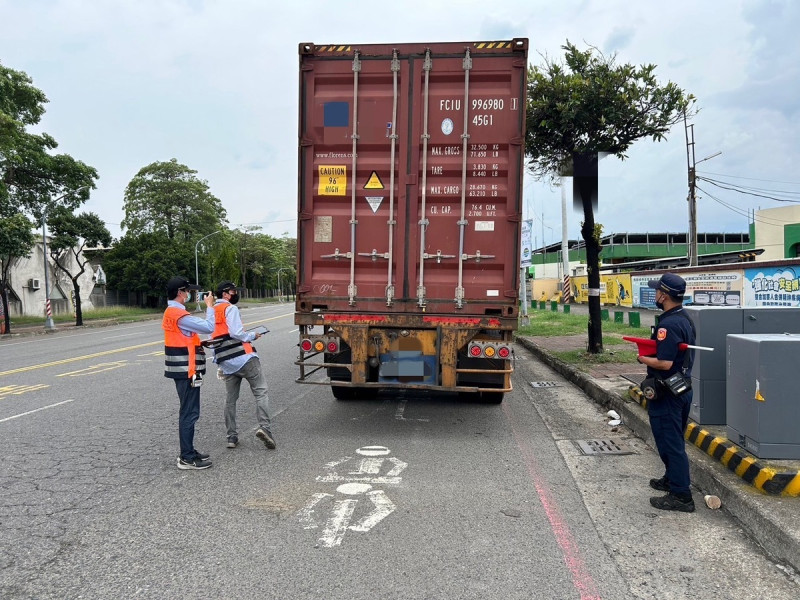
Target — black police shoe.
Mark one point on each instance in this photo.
(673, 502)
(662, 485)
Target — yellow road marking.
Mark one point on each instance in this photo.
(94, 369)
(107, 352)
(16, 390)
(77, 358)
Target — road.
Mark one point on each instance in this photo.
(397, 496)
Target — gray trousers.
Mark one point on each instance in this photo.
(252, 372)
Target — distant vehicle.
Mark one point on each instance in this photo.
(411, 159)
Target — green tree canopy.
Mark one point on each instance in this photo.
(589, 105)
(16, 242)
(71, 234)
(167, 197)
(31, 176)
(144, 263)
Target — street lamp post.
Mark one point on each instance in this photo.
(196, 270)
(280, 287)
(48, 321)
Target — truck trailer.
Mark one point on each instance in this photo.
(410, 167)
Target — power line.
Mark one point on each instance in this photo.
(751, 178)
(763, 220)
(734, 189)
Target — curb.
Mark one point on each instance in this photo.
(762, 511)
(763, 478)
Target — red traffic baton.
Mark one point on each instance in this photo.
(647, 347)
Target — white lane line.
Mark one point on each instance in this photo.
(30, 412)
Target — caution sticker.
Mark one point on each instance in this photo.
(332, 180)
(374, 182)
(374, 202)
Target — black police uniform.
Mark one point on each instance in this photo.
(669, 414)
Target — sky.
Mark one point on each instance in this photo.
(213, 84)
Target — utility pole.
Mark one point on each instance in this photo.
(691, 241)
(691, 164)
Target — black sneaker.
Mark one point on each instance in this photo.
(673, 502)
(266, 437)
(194, 464)
(662, 485)
(233, 441)
(201, 456)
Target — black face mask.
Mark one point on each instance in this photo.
(659, 305)
(234, 298)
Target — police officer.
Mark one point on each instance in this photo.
(237, 359)
(185, 362)
(669, 413)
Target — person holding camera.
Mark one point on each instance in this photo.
(185, 362)
(668, 410)
(237, 360)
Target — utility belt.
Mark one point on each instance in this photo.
(676, 384)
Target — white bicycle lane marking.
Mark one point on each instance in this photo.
(369, 469)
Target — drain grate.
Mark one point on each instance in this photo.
(544, 384)
(603, 447)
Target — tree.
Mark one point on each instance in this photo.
(16, 242)
(167, 197)
(70, 235)
(144, 263)
(588, 106)
(30, 175)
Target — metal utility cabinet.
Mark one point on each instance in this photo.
(762, 402)
(713, 324)
(411, 159)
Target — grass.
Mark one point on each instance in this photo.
(557, 324)
(120, 313)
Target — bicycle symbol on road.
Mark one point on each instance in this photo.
(369, 469)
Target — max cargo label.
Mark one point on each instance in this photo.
(332, 180)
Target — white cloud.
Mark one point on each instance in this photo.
(214, 84)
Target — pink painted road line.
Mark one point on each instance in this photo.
(581, 578)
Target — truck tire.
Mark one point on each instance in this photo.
(492, 397)
(346, 393)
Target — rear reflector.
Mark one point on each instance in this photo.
(333, 346)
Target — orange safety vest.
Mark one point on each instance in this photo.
(183, 355)
(228, 346)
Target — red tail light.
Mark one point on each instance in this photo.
(306, 345)
(503, 351)
(333, 346)
(475, 350)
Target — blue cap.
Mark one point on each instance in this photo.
(669, 283)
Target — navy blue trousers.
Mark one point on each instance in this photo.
(187, 416)
(668, 418)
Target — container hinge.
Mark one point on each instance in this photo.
(374, 255)
(305, 216)
(477, 256)
(459, 297)
(438, 256)
(337, 255)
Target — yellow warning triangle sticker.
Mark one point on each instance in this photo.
(374, 182)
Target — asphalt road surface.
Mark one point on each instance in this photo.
(397, 497)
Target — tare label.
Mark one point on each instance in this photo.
(332, 180)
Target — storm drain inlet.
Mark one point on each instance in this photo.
(544, 384)
(603, 447)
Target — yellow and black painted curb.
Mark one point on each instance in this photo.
(747, 467)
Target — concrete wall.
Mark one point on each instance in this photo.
(770, 225)
(25, 300)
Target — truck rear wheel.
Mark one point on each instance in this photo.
(341, 392)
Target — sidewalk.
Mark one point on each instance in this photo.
(772, 520)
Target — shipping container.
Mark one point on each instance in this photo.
(411, 159)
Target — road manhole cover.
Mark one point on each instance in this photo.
(603, 447)
(544, 384)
